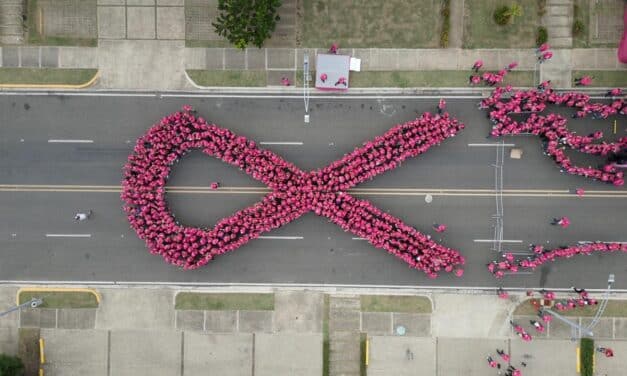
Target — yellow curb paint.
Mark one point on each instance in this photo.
(52, 86)
(42, 357)
(367, 351)
(614, 126)
(41, 372)
(578, 361)
(56, 289)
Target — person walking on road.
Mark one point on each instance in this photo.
(82, 216)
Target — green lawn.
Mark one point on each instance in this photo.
(219, 302)
(371, 23)
(480, 30)
(45, 76)
(586, 11)
(428, 78)
(605, 78)
(615, 308)
(58, 299)
(36, 37)
(228, 77)
(394, 303)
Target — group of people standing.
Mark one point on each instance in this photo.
(552, 127)
(294, 192)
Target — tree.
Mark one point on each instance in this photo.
(515, 10)
(11, 366)
(245, 22)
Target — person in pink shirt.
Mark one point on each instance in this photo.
(580, 192)
(543, 47)
(323, 77)
(214, 185)
(583, 81)
(545, 56)
(441, 106)
(474, 80)
(477, 65)
(333, 49)
(439, 227)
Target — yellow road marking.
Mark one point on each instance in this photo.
(356, 191)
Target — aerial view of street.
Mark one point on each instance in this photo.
(296, 187)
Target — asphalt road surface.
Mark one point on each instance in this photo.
(63, 154)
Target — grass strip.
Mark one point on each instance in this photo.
(61, 299)
(28, 349)
(325, 336)
(222, 302)
(604, 78)
(394, 303)
(433, 78)
(228, 77)
(35, 37)
(615, 308)
(45, 76)
(586, 356)
(363, 370)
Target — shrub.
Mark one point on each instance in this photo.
(245, 22)
(515, 10)
(543, 35)
(502, 15)
(11, 365)
(578, 28)
(586, 355)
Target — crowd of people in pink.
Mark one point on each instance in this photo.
(541, 256)
(505, 102)
(294, 192)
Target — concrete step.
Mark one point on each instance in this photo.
(555, 2)
(344, 303)
(560, 32)
(559, 21)
(559, 11)
(562, 42)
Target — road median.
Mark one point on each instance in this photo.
(60, 297)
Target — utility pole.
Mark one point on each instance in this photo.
(306, 78)
(33, 303)
(578, 330)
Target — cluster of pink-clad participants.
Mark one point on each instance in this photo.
(294, 192)
(552, 127)
(324, 191)
(505, 102)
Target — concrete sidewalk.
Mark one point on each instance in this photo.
(137, 331)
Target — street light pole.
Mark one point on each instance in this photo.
(578, 330)
(33, 303)
(306, 79)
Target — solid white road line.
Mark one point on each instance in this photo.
(497, 241)
(68, 235)
(280, 143)
(359, 239)
(490, 144)
(281, 237)
(602, 241)
(53, 141)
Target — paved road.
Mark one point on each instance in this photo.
(325, 254)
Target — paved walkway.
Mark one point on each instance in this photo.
(141, 45)
(463, 329)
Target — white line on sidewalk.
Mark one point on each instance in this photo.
(280, 143)
(491, 144)
(497, 241)
(359, 239)
(68, 235)
(281, 237)
(53, 141)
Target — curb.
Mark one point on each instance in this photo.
(271, 287)
(53, 86)
(56, 289)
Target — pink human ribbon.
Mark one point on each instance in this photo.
(294, 192)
